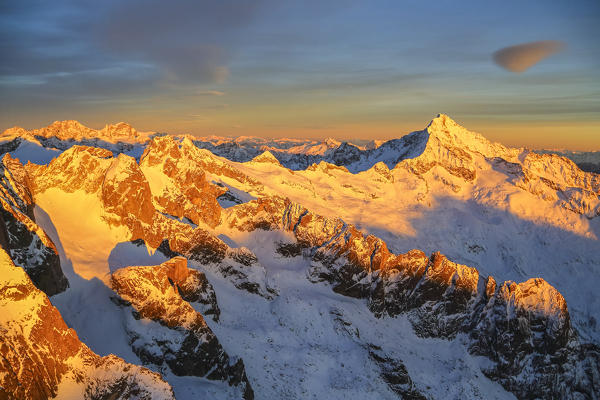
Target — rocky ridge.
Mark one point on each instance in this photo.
(26, 242)
(524, 329)
(40, 357)
(127, 199)
(159, 293)
(70, 130)
(446, 146)
(62, 135)
(443, 143)
(178, 186)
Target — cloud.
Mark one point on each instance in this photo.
(75, 49)
(198, 117)
(211, 93)
(524, 56)
(191, 42)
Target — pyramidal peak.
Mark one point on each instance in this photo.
(442, 124)
(445, 132)
(266, 157)
(443, 120)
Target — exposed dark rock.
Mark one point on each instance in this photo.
(524, 329)
(160, 293)
(394, 373)
(38, 352)
(9, 146)
(26, 242)
(289, 249)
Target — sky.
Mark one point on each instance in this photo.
(308, 69)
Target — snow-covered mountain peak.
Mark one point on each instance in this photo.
(71, 130)
(331, 142)
(65, 130)
(120, 168)
(266, 157)
(14, 132)
(535, 295)
(443, 121)
(446, 132)
(120, 130)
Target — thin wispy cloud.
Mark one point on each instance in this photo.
(521, 57)
(211, 93)
(286, 68)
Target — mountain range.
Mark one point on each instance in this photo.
(436, 265)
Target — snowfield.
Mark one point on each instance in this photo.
(506, 212)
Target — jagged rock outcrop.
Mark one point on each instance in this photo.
(40, 357)
(240, 266)
(181, 338)
(179, 185)
(27, 243)
(394, 373)
(126, 196)
(118, 182)
(523, 328)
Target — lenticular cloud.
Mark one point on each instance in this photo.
(523, 56)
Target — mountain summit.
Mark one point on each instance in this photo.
(434, 265)
(71, 130)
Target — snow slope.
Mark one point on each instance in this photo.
(495, 221)
(42, 358)
(507, 212)
(272, 334)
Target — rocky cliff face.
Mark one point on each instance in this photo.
(127, 199)
(188, 346)
(179, 186)
(40, 357)
(118, 182)
(240, 266)
(169, 201)
(524, 329)
(27, 243)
